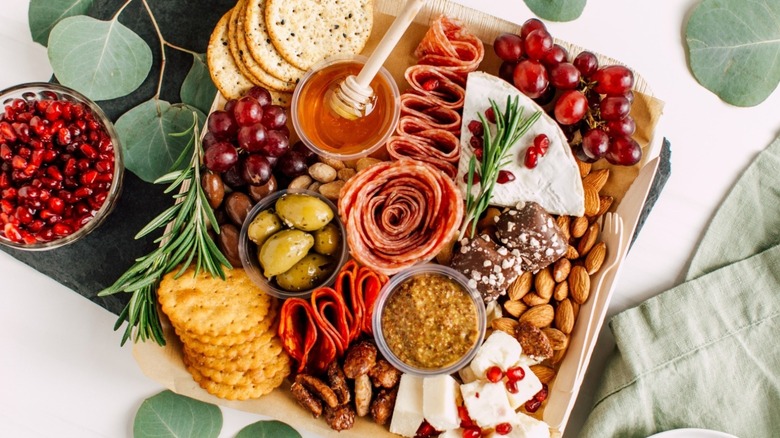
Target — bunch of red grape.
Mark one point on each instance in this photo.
(585, 97)
(248, 138)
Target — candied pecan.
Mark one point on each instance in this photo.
(383, 404)
(338, 382)
(318, 388)
(363, 392)
(360, 357)
(533, 341)
(383, 374)
(341, 417)
(306, 399)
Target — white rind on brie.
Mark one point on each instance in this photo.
(554, 183)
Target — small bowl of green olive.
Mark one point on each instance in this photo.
(293, 242)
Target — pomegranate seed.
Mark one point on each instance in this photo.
(26, 116)
(88, 151)
(24, 153)
(7, 132)
(37, 158)
(53, 111)
(28, 238)
(430, 85)
(505, 176)
(46, 235)
(5, 152)
(472, 432)
(515, 374)
(531, 157)
(63, 136)
(70, 167)
(49, 155)
(83, 164)
(104, 166)
(5, 181)
(532, 405)
(476, 142)
(56, 205)
(54, 173)
(35, 226)
(542, 143)
(106, 146)
(475, 178)
(19, 105)
(67, 110)
(29, 192)
(38, 126)
(24, 215)
(82, 192)
(22, 131)
(89, 177)
(60, 229)
(9, 193)
(476, 128)
(97, 201)
(465, 418)
(503, 428)
(12, 232)
(478, 153)
(425, 430)
(6, 206)
(490, 115)
(511, 386)
(494, 374)
(542, 394)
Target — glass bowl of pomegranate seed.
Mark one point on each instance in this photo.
(61, 166)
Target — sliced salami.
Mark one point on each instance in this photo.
(399, 213)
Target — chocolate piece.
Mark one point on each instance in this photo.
(532, 236)
(489, 267)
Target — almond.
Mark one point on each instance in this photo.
(561, 269)
(539, 316)
(561, 291)
(592, 201)
(515, 308)
(575, 307)
(588, 239)
(534, 299)
(506, 325)
(558, 356)
(571, 253)
(558, 339)
(579, 284)
(579, 226)
(595, 258)
(596, 179)
(564, 223)
(564, 317)
(490, 218)
(584, 168)
(606, 202)
(544, 283)
(545, 374)
(521, 286)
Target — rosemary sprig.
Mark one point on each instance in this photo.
(510, 126)
(186, 240)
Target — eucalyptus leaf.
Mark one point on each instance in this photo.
(556, 10)
(102, 59)
(734, 48)
(171, 415)
(44, 14)
(197, 89)
(268, 429)
(144, 132)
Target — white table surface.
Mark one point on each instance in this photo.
(62, 372)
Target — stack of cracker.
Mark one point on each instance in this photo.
(272, 43)
(228, 332)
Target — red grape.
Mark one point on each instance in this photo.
(547, 96)
(255, 169)
(581, 155)
(614, 107)
(624, 151)
(565, 76)
(571, 107)
(232, 177)
(274, 117)
(292, 164)
(595, 142)
(230, 105)
(222, 125)
(555, 56)
(508, 46)
(252, 138)
(308, 154)
(625, 126)
(537, 43)
(506, 70)
(630, 96)
(530, 77)
(531, 25)
(613, 80)
(220, 157)
(276, 144)
(262, 95)
(586, 63)
(247, 111)
(208, 140)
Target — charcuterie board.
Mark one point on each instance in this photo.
(165, 364)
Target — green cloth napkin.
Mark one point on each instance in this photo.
(706, 354)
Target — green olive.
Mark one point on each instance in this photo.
(284, 249)
(327, 240)
(304, 212)
(307, 273)
(263, 226)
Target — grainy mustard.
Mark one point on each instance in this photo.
(430, 321)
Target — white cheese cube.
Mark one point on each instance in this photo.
(452, 433)
(408, 410)
(526, 389)
(440, 402)
(487, 403)
(499, 349)
(525, 426)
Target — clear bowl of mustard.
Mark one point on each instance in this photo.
(428, 321)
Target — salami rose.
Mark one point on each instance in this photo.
(399, 213)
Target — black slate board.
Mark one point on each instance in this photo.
(96, 261)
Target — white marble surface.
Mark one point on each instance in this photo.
(62, 372)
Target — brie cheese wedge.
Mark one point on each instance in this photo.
(554, 183)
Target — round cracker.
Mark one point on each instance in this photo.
(260, 46)
(238, 392)
(307, 31)
(255, 69)
(205, 305)
(222, 67)
(228, 350)
(227, 340)
(263, 362)
(232, 35)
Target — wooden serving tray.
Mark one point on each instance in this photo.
(164, 364)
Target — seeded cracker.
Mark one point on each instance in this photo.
(307, 31)
(225, 72)
(260, 46)
(233, 43)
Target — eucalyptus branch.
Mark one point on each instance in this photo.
(162, 52)
(119, 11)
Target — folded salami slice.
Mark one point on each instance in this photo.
(299, 333)
(399, 213)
